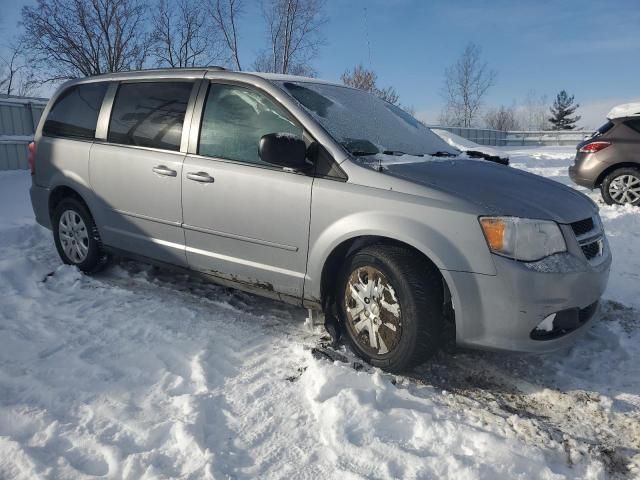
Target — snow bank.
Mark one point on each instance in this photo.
(374, 428)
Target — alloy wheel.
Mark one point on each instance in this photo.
(373, 311)
(625, 189)
(74, 236)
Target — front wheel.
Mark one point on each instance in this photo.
(622, 187)
(76, 236)
(391, 307)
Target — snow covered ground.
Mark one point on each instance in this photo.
(143, 373)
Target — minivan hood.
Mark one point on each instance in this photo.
(499, 190)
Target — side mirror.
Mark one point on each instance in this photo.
(285, 150)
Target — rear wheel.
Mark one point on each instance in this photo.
(622, 187)
(76, 236)
(391, 307)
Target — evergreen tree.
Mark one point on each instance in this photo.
(563, 108)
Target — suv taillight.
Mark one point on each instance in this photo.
(593, 147)
(31, 157)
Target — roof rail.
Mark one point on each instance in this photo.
(162, 69)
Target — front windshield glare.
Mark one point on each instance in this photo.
(365, 124)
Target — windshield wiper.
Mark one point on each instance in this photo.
(362, 153)
(399, 153)
(442, 153)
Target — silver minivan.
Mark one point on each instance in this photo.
(319, 195)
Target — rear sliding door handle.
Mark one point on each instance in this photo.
(202, 177)
(162, 170)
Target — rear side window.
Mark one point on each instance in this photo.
(634, 124)
(234, 121)
(148, 114)
(75, 113)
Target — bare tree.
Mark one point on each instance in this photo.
(411, 110)
(10, 70)
(466, 84)
(390, 95)
(502, 118)
(72, 38)
(181, 35)
(225, 15)
(533, 113)
(16, 75)
(294, 29)
(366, 79)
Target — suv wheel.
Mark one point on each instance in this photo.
(76, 236)
(391, 307)
(621, 187)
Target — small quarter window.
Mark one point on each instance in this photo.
(75, 113)
(633, 124)
(148, 114)
(234, 121)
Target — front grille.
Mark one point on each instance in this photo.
(589, 236)
(583, 226)
(590, 250)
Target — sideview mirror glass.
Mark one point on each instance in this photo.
(285, 150)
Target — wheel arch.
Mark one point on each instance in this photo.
(66, 183)
(61, 192)
(346, 248)
(614, 167)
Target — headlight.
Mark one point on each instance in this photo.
(522, 238)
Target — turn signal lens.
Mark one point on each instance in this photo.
(494, 229)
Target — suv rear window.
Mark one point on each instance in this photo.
(148, 114)
(603, 129)
(75, 113)
(634, 124)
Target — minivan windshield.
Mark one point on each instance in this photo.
(364, 123)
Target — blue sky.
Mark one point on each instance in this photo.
(592, 49)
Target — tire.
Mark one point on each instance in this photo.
(406, 335)
(73, 224)
(616, 181)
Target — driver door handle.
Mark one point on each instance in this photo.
(202, 177)
(162, 170)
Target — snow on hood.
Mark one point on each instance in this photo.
(464, 144)
(454, 140)
(625, 110)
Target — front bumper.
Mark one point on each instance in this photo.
(500, 312)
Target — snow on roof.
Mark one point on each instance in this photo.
(625, 110)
